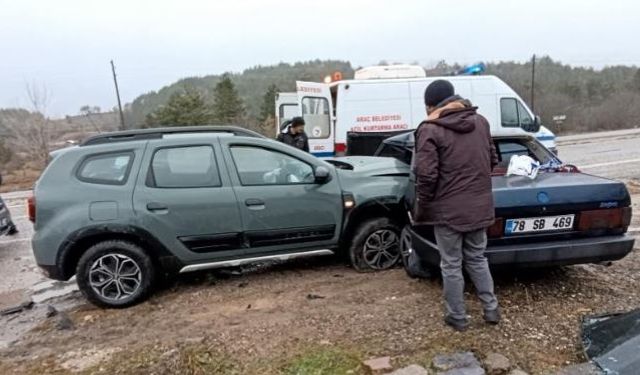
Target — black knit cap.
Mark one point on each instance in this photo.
(296, 121)
(437, 91)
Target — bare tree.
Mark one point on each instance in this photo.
(29, 131)
(89, 112)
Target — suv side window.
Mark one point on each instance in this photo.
(184, 167)
(106, 169)
(261, 166)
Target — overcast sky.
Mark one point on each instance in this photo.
(66, 45)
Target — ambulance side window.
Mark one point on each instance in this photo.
(513, 114)
(315, 111)
(523, 116)
(287, 112)
(509, 112)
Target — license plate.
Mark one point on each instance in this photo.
(539, 224)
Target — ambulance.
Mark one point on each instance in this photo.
(352, 117)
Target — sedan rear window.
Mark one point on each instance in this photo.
(106, 169)
(507, 148)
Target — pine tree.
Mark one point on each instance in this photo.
(185, 108)
(228, 108)
(268, 103)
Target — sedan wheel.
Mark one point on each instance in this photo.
(411, 262)
(405, 245)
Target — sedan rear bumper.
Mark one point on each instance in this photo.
(542, 254)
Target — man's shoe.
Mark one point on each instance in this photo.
(459, 325)
(492, 316)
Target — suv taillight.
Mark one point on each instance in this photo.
(31, 208)
(611, 218)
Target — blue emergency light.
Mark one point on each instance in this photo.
(471, 70)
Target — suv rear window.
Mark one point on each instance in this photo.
(185, 167)
(106, 169)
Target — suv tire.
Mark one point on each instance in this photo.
(375, 245)
(115, 274)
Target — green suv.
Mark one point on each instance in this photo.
(123, 209)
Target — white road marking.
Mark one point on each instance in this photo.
(609, 163)
(15, 240)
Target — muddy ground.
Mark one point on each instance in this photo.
(261, 319)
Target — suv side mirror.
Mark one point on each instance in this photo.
(321, 174)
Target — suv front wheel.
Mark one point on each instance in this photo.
(375, 245)
(115, 274)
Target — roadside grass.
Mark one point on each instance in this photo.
(188, 360)
(203, 359)
(323, 361)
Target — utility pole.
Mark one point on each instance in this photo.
(115, 81)
(533, 83)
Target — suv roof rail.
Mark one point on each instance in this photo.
(156, 133)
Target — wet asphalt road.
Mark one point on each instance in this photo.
(612, 154)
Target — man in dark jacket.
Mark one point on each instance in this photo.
(293, 134)
(453, 162)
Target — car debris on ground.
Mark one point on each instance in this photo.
(612, 342)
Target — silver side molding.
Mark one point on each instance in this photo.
(240, 262)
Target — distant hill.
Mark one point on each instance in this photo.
(251, 85)
(590, 99)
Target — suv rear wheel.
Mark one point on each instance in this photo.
(115, 274)
(375, 245)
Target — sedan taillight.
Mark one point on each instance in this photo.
(31, 208)
(497, 229)
(610, 218)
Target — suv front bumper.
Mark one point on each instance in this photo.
(541, 254)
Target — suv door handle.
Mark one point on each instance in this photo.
(254, 202)
(155, 206)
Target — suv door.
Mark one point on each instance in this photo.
(184, 197)
(282, 206)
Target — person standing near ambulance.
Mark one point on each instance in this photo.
(293, 134)
(453, 162)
